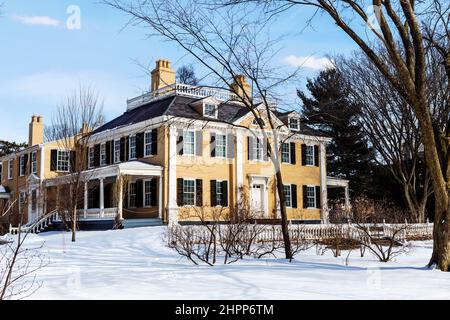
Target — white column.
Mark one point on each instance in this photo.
(239, 164)
(347, 198)
(102, 198)
(323, 179)
(120, 200)
(172, 209)
(160, 197)
(86, 195)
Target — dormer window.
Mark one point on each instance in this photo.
(294, 124)
(210, 110)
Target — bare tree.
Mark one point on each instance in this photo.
(73, 124)
(397, 28)
(392, 129)
(228, 44)
(186, 74)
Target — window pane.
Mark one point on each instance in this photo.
(309, 155)
(287, 196)
(210, 110)
(117, 151)
(148, 143)
(286, 153)
(219, 193)
(221, 146)
(132, 196)
(189, 192)
(311, 197)
(63, 161)
(132, 147)
(258, 149)
(147, 194)
(189, 143)
(103, 155)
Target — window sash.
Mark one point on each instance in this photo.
(116, 151)
(286, 153)
(311, 197)
(62, 163)
(10, 169)
(189, 143)
(294, 124)
(132, 148)
(103, 154)
(147, 194)
(309, 155)
(91, 157)
(132, 195)
(219, 193)
(258, 149)
(33, 162)
(148, 144)
(221, 146)
(22, 166)
(189, 192)
(210, 110)
(288, 195)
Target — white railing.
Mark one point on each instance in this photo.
(96, 214)
(269, 233)
(182, 89)
(37, 225)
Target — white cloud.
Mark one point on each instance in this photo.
(310, 62)
(37, 20)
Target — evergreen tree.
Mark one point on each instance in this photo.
(7, 147)
(327, 109)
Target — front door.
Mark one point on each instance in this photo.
(258, 199)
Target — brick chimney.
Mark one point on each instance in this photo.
(163, 75)
(240, 85)
(36, 131)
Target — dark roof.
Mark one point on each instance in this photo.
(181, 106)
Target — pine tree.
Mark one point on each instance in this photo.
(7, 147)
(327, 109)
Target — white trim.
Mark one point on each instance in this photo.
(33, 167)
(289, 152)
(194, 143)
(226, 146)
(22, 166)
(315, 197)
(239, 164)
(172, 210)
(216, 109)
(11, 169)
(323, 182)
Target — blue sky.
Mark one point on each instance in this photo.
(42, 61)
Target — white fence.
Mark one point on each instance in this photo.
(360, 232)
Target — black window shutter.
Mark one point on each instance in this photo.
(225, 193)
(180, 142)
(303, 154)
(139, 194)
(294, 196)
(293, 155)
(153, 192)
(108, 152)
(250, 148)
(213, 193)
(73, 161)
(122, 149)
(154, 141)
(199, 193)
(318, 204)
(316, 156)
(127, 148)
(97, 155)
(54, 159)
(180, 195)
(140, 145)
(305, 198)
(213, 145)
(25, 163)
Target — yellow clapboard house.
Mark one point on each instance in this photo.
(177, 151)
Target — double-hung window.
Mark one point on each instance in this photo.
(294, 124)
(220, 193)
(147, 193)
(285, 153)
(258, 149)
(132, 195)
(311, 197)
(210, 111)
(309, 155)
(34, 162)
(22, 166)
(189, 192)
(116, 151)
(103, 155)
(288, 195)
(62, 163)
(10, 169)
(148, 144)
(22, 198)
(189, 143)
(132, 149)
(221, 146)
(91, 157)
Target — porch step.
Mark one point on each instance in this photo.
(140, 223)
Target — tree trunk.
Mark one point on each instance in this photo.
(415, 206)
(284, 219)
(74, 224)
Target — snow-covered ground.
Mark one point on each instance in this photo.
(136, 264)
